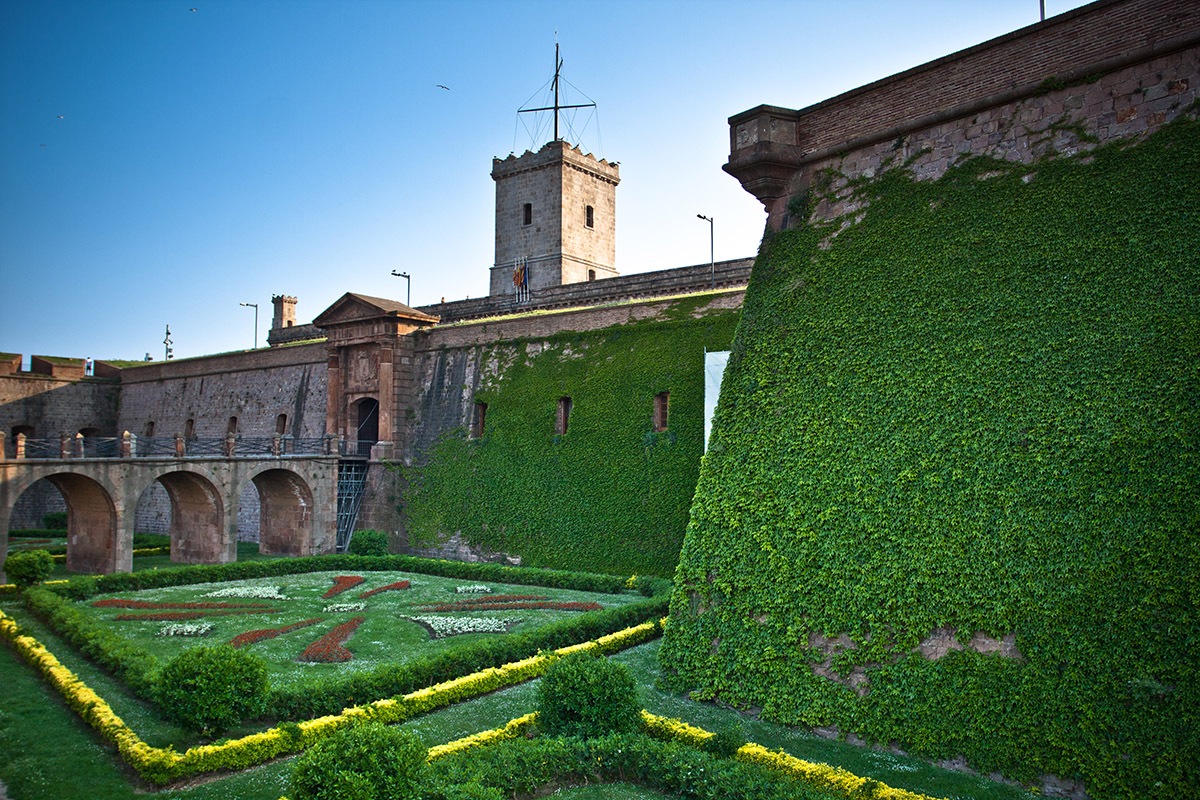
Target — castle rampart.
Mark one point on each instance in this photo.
(1112, 69)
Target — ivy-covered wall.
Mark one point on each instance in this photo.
(952, 499)
(611, 495)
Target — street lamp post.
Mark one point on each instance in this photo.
(408, 295)
(255, 307)
(712, 261)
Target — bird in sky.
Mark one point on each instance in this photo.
(60, 116)
(192, 10)
(440, 86)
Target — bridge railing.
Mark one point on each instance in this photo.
(130, 446)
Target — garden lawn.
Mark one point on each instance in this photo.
(387, 635)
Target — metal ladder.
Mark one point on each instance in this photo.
(352, 477)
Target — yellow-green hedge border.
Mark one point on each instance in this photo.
(163, 765)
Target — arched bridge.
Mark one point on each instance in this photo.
(298, 496)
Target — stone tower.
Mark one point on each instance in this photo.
(556, 216)
(285, 311)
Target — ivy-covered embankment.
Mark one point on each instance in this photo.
(977, 411)
(612, 493)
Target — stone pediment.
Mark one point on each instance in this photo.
(353, 308)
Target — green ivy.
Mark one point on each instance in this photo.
(976, 408)
(611, 493)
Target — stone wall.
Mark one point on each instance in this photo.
(660, 283)
(256, 387)
(1105, 71)
(55, 406)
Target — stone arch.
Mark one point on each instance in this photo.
(285, 520)
(92, 524)
(198, 533)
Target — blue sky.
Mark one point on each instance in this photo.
(160, 165)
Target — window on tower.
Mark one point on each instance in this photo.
(661, 402)
(564, 416)
(591, 217)
(529, 213)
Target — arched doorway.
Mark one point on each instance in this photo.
(366, 429)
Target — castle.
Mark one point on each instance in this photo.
(386, 380)
(949, 502)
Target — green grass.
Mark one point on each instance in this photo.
(609, 791)
(386, 637)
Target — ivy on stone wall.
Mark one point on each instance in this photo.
(611, 493)
(976, 410)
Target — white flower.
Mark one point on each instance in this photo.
(475, 589)
(185, 629)
(254, 592)
(454, 626)
(342, 608)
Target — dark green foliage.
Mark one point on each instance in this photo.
(369, 543)
(367, 761)
(611, 493)
(976, 410)
(585, 695)
(725, 741)
(210, 689)
(55, 520)
(29, 568)
(523, 766)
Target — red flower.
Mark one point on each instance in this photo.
(388, 588)
(262, 634)
(341, 583)
(328, 649)
(117, 602)
(518, 605)
(171, 616)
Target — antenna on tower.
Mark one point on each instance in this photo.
(558, 106)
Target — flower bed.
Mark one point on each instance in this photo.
(391, 587)
(186, 629)
(168, 616)
(116, 602)
(263, 634)
(519, 605)
(344, 608)
(256, 592)
(500, 598)
(476, 588)
(443, 627)
(342, 583)
(328, 649)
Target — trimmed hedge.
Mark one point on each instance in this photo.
(523, 766)
(28, 568)
(585, 695)
(975, 412)
(612, 493)
(160, 765)
(210, 689)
